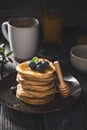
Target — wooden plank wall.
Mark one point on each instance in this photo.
(74, 11)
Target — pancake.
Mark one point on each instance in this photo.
(26, 71)
(28, 81)
(38, 88)
(35, 94)
(34, 79)
(35, 101)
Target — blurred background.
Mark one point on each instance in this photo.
(74, 11)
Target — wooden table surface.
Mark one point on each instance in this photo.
(72, 118)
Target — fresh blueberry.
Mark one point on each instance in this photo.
(13, 89)
(39, 63)
(32, 65)
(39, 68)
(46, 64)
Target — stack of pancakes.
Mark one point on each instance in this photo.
(35, 87)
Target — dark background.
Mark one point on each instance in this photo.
(74, 11)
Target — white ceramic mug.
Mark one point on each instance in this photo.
(22, 33)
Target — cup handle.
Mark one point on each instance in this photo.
(4, 30)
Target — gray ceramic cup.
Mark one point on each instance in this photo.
(78, 57)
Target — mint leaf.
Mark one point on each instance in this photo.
(35, 59)
(9, 53)
(2, 50)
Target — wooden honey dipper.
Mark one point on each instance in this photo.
(63, 87)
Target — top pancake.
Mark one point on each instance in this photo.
(26, 71)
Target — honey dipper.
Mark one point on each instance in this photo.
(63, 87)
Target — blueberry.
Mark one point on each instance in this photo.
(45, 64)
(40, 63)
(32, 65)
(39, 68)
(13, 89)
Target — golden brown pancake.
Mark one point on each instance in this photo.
(35, 94)
(22, 78)
(26, 71)
(35, 101)
(38, 87)
(28, 81)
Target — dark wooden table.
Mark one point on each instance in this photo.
(72, 118)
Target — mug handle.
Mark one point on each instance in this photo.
(4, 30)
